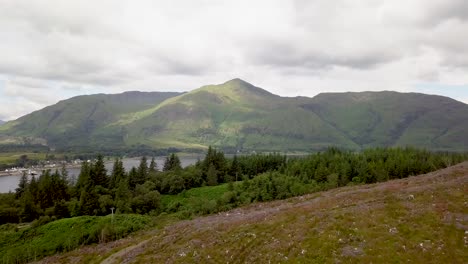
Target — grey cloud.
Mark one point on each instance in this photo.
(290, 55)
(444, 10)
(71, 46)
(165, 64)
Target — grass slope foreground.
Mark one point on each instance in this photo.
(237, 115)
(420, 219)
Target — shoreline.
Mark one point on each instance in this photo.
(37, 170)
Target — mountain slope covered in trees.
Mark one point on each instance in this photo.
(237, 116)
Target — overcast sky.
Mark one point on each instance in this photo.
(52, 50)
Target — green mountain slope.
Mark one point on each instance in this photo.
(373, 119)
(239, 116)
(235, 115)
(89, 120)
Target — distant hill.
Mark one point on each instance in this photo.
(237, 115)
(2, 122)
(90, 120)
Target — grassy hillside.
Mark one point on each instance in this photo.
(419, 219)
(34, 242)
(373, 119)
(89, 120)
(237, 115)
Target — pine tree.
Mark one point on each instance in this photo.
(89, 202)
(23, 184)
(34, 188)
(142, 170)
(234, 170)
(84, 176)
(133, 178)
(217, 159)
(171, 163)
(29, 210)
(58, 187)
(118, 174)
(46, 192)
(122, 198)
(98, 173)
(89, 199)
(212, 176)
(153, 167)
(64, 174)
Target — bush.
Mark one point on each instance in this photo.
(44, 239)
(41, 221)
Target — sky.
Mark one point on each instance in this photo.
(51, 50)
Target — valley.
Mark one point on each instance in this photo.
(284, 131)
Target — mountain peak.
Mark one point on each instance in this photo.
(237, 81)
(243, 87)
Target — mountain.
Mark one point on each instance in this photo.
(88, 120)
(237, 115)
(2, 122)
(372, 119)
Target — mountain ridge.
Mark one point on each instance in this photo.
(238, 116)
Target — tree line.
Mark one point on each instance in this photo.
(251, 178)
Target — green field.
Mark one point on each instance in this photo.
(26, 243)
(10, 158)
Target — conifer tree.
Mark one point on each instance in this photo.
(153, 167)
(217, 159)
(84, 176)
(98, 173)
(171, 163)
(212, 176)
(234, 170)
(58, 187)
(45, 190)
(142, 170)
(34, 188)
(133, 178)
(118, 174)
(122, 198)
(89, 202)
(23, 184)
(29, 210)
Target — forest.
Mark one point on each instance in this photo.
(249, 178)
